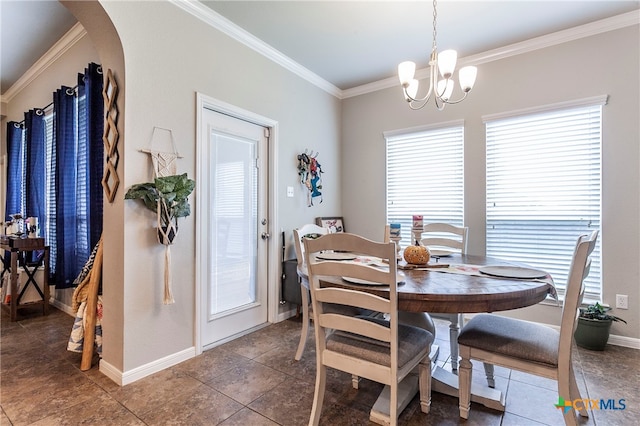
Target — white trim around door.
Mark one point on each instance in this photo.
(273, 262)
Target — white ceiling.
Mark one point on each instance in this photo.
(350, 43)
(28, 30)
(347, 43)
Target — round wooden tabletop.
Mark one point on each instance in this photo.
(441, 292)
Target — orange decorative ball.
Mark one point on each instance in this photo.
(417, 254)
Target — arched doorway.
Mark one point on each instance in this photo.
(106, 41)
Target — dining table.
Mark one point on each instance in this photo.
(456, 283)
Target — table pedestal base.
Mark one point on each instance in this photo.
(407, 389)
(442, 381)
(446, 382)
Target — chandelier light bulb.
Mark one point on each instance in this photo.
(445, 88)
(406, 71)
(412, 89)
(467, 77)
(447, 62)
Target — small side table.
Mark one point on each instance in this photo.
(19, 247)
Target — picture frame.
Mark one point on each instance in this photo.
(335, 224)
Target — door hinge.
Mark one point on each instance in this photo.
(267, 132)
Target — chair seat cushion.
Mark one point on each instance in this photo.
(511, 337)
(411, 341)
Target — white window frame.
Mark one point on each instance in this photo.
(425, 175)
(529, 153)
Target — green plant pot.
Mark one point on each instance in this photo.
(592, 334)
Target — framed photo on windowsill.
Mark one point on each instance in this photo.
(335, 224)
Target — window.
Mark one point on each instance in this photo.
(54, 172)
(81, 153)
(543, 187)
(425, 172)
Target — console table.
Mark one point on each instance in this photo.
(19, 247)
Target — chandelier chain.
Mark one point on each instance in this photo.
(435, 16)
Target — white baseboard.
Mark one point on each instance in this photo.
(124, 378)
(627, 342)
(61, 306)
(286, 315)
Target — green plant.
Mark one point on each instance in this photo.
(168, 194)
(596, 311)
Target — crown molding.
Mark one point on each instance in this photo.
(70, 38)
(227, 27)
(610, 24)
(217, 21)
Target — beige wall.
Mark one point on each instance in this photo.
(560, 73)
(164, 71)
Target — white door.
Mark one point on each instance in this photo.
(234, 276)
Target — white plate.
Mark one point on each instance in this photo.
(513, 272)
(335, 256)
(440, 252)
(366, 282)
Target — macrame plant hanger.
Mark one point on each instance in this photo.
(164, 164)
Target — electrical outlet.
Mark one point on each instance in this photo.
(622, 301)
(290, 191)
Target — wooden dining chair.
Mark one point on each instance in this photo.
(529, 347)
(313, 231)
(377, 349)
(438, 236)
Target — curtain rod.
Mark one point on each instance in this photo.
(70, 89)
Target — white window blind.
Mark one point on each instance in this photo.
(83, 192)
(48, 228)
(543, 189)
(425, 176)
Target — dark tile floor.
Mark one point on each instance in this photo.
(254, 380)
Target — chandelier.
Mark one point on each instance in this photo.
(445, 63)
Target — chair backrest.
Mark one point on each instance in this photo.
(387, 276)
(309, 229)
(578, 271)
(443, 235)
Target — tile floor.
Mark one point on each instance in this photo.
(255, 381)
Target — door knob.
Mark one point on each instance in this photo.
(265, 235)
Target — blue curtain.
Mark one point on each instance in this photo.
(78, 168)
(35, 165)
(15, 170)
(15, 174)
(64, 172)
(90, 88)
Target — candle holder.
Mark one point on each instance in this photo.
(397, 241)
(395, 236)
(33, 230)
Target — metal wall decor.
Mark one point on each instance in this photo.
(110, 180)
(310, 172)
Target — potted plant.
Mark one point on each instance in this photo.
(594, 325)
(167, 196)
